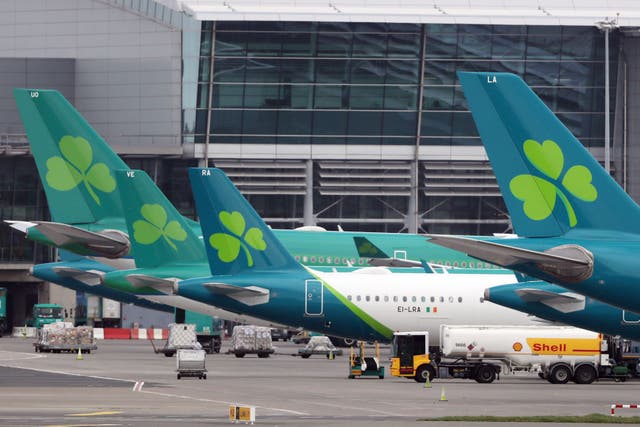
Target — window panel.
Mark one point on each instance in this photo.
(436, 123)
(400, 97)
(332, 71)
(229, 70)
(334, 44)
(403, 45)
(369, 45)
(296, 70)
(294, 122)
(330, 96)
(228, 96)
(263, 70)
(256, 96)
(399, 123)
(226, 121)
(438, 97)
(402, 72)
(364, 123)
(463, 124)
(329, 122)
(230, 44)
(366, 97)
(259, 122)
(368, 72)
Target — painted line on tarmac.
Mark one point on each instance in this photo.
(394, 414)
(82, 425)
(94, 414)
(199, 399)
(73, 374)
(23, 356)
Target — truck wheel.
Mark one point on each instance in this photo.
(424, 372)
(179, 376)
(485, 374)
(559, 374)
(263, 355)
(168, 354)
(239, 354)
(305, 356)
(585, 374)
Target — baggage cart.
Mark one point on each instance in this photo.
(191, 363)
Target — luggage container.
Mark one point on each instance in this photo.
(191, 363)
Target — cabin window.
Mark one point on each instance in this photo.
(377, 298)
(298, 258)
(404, 299)
(344, 261)
(367, 298)
(349, 297)
(459, 299)
(321, 260)
(441, 299)
(358, 298)
(413, 299)
(433, 299)
(455, 263)
(472, 265)
(305, 258)
(386, 298)
(450, 299)
(395, 299)
(463, 264)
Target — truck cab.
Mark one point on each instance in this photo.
(410, 356)
(44, 314)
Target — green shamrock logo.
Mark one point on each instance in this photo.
(154, 225)
(228, 245)
(539, 194)
(367, 248)
(66, 173)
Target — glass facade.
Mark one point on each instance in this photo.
(358, 83)
(376, 84)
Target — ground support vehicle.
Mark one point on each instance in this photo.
(3, 310)
(208, 329)
(44, 314)
(64, 337)
(191, 363)
(558, 353)
(181, 336)
(361, 365)
(319, 345)
(250, 339)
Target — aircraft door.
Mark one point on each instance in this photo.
(314, 298)
(630, 317)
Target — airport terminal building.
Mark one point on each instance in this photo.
(336, 114)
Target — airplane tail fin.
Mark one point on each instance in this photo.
(235, 237)
(159, 234)
(550, 182)
(73, 161)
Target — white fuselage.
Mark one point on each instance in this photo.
(423, 302)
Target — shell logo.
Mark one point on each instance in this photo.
(517, 346)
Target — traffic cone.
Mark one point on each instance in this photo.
(443, 397)
(427, 383)
(79, 356)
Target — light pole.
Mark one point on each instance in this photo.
(607, 25)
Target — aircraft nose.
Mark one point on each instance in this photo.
(487, 293)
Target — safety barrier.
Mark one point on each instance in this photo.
(107, 333)
(622, 406)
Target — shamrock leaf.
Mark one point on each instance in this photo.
(228, 246)
(546, 157)
(234, 221)
(367, 249)
(538, 195)
(60, 176)
(255, 240)
(154, 225)
(578, 181)
(75, 166)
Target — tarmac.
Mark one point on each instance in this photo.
(105, 389)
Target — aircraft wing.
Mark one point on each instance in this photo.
(250, 295)
(89, 277)
(111, 244)
(564, 302)
(393, 262)
(166, 286)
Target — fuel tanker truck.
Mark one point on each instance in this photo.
(557, 353)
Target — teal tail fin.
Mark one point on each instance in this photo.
(159, 234)
(74, 162)
(235, 237)
(550, 182)
(366, 248)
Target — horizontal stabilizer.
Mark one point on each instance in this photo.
(88, 277)
(565, 268)
(250, 295)
(564, 302)
(107, 243)
(21, 226)
(166, 286)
